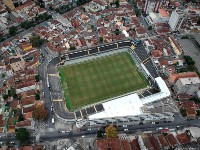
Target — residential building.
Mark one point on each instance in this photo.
(176, 19)
(17, 63)
(187, 86)
(26, 46)
(152, 5)
(9, 4)
(185, 83)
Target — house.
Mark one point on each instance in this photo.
(185, 83)
(190, 108)
(17, 63)
(28, 101)
(135, 145)
(27, 110)
(3, 11)
(24, 124)
(25, 86)
(171, 140)
(25, 7)
(183, 138)
(26, 46)
(163, 142)
(141, 31)
(99, 4)
(112, 143)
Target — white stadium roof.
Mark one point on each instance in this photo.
(130, 105)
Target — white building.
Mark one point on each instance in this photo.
(176, 19)
(187, 85)
(152, 5)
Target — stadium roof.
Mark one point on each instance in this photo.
(123, 106)
(130, 105)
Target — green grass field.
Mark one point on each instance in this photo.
(99, 79)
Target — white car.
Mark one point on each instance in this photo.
(53, 120)
(125, 129)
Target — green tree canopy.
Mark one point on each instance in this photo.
(22, 134)
(12, 30)
(36, 41)
(99, 134)
(189, 60)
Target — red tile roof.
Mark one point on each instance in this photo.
(175, 77)
(24, 123)
(29, 109)
(28, 115)
(183, 138)
(126, 145)
(113, 143)
(140, 30)
(28, 100)
(163, 141)
(135, 145)
(15, 104)
(171, 139)
(27, 4)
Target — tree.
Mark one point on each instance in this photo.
(22, 134)
(37, 96)
(117, 32)
(117, 3)
(72, 48)
(137, 12)
(101, 39)
(50, 8)
(111, 132)
(27, 24)
(3, 75)
(37, 78)
(183, 112)
(40, 113)
(36, 41)
(99, 134)
(149, 27)
(189, 60)
(11, 92)
(12, 30)
(198, 21)
(5, 96)
(198, 112)
(21, 118)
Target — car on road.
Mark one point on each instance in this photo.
(53, 120)
(62, 131)
(51, 108)
(125, 129)
(83, 136)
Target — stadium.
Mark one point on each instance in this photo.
(111, 84)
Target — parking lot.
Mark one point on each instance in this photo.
(190, 49)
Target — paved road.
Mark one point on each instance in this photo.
(43, 74)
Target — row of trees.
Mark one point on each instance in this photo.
(29, 23)
(65, 8)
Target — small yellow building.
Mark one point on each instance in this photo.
(26, 46)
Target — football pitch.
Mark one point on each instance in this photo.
(95, 80)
